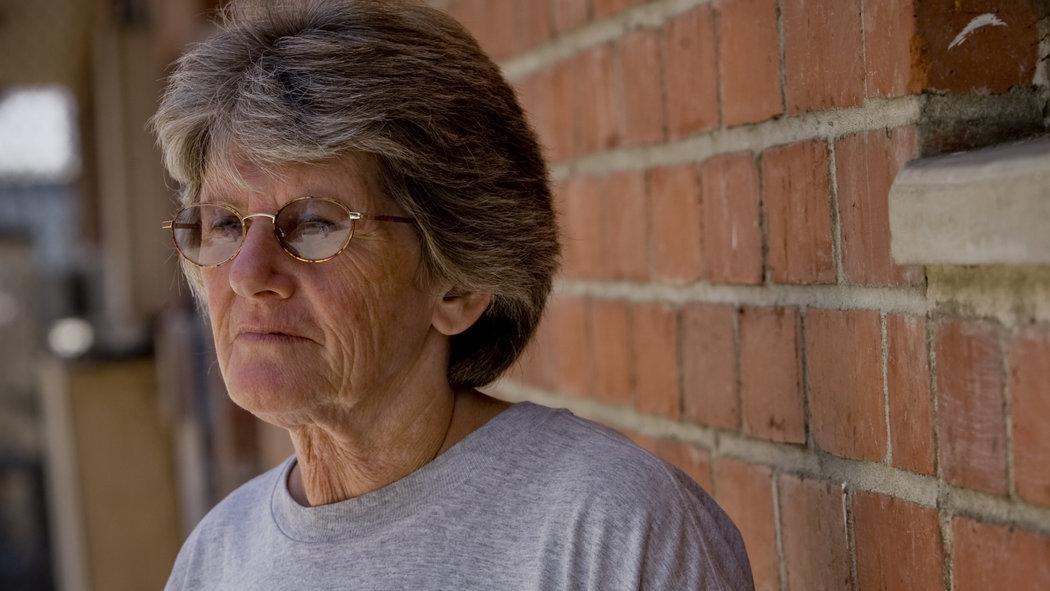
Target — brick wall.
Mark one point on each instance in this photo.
(728, 297)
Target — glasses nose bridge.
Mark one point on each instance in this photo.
(272, 216)
(246, 221)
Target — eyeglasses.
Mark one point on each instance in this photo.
(310, 229)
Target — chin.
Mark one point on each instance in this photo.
(263, 388)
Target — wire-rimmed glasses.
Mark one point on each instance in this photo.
(309, 229)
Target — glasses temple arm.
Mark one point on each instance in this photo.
(387, 218)
(169, 224)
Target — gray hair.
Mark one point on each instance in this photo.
(305, 81)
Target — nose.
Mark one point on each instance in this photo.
(260, 269)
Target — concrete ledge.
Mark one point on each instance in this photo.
(983, 207)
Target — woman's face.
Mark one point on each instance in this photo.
(360, 324)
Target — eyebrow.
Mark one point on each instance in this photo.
(238, 205)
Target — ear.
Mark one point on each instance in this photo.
(457, 310)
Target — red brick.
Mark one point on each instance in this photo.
(813, 526)
(693, 460)
(823, 66)
(567, 320)
(597, 106)
(532, 23)
(745, 492)
(529, 91)
(568, 14)
(559, 110)
(580, 210)
(844, 364)
(624, 232)
(655, 354)
(798, 213)
(732, 236)
(898, 544)
(604, 8)
(911, 408)
(1030, 409)
(674, 224)
(889, 26)
(504, 27)
(547, 98)
(988, 556)
(611, 351)
(866, 164)
(690, 73)
(642, 86)
(971, 429)
(709, 366)
(491, 23)
(770, 388)
(749, 61)
(990, 61)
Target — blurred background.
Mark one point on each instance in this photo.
(115, 433)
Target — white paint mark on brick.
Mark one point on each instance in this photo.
(985, 20)
(781, 562)
(836, 216)
(885, 353)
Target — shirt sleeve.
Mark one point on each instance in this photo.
(690, 543)
(645, 525)
(189, 570)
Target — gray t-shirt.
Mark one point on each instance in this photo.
(536, 498)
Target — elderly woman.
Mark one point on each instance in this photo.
(367, 223)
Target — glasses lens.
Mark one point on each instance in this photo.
(314, 229)
(208, 234)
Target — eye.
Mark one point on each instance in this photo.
(313, 229)
(225, 224)
(311, 226)
(218, 223)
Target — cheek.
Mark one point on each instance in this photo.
(375, 314)
(218, 296)
(213, 281)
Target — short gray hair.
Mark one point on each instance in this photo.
(305, 81)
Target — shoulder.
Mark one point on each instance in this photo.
(239, 507)
(224, 528)
(648, 516)
(597, 456)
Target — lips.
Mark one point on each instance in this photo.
(271, 337)
(269, 333)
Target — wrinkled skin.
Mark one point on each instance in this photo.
(363, 390)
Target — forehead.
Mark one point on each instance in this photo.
(349, 178)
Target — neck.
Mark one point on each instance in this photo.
(362, 450)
